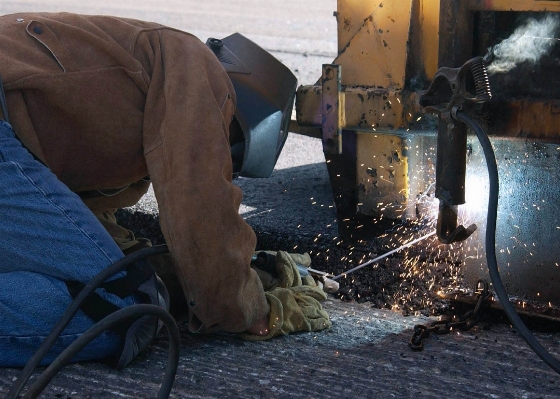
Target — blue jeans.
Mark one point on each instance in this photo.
(47, 236)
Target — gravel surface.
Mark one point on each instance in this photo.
(293, 210)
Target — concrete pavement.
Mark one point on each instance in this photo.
(301, 33)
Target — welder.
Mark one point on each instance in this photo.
(96, 109)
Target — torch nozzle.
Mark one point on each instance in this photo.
(447, 230)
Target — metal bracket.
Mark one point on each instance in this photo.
(332, 109)
(453, 90)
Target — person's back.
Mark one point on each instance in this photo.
(110, 101)
(110, 105)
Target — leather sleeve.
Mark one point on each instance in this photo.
(189, 106)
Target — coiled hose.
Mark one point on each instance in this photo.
(133, 312)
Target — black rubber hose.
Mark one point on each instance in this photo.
(491, 243)
(59, 327)
(130, 312)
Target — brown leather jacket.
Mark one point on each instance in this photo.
(107, 101)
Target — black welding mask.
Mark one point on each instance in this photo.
(265, 90)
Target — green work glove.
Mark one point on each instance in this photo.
(294, 309)
(280, 269)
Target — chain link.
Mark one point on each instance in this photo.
(445, 326)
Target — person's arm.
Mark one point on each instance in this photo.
(189, 106)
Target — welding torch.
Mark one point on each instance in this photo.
(452, 90)
(267, 263)
(455, 94)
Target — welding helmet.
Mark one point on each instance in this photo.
(265, 91)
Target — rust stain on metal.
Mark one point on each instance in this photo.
(528, 118)
(375, 54)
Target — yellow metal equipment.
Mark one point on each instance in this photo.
(380, 146)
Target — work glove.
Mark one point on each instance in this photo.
(294, 309)
(295, 303)
(282, 269)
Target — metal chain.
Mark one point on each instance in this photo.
(445, 326)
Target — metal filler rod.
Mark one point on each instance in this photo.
(407, 245)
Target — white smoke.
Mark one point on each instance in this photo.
(528, 43)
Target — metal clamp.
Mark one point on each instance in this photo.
(451, 91)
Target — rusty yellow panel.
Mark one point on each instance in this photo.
(364, 108)
(429, 33)
(309, 106)
(376, 54)
(350, 17)
(379, 110)
(514, 5)
(382, 175)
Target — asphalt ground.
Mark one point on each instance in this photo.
(364, 355)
